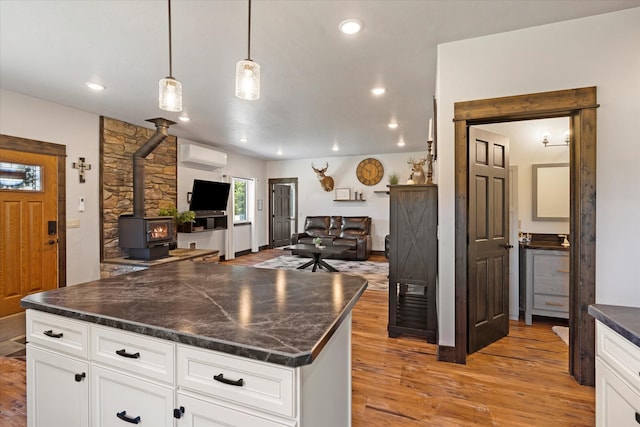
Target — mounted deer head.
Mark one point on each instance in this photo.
(417, 172)
(325, 181)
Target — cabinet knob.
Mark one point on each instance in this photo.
(177, 413)
(80, 377)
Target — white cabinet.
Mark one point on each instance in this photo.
(57, 389)
(547, 284)
(117, 378)
(121, 399)
(617, 379)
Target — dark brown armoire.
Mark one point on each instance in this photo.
(413, 260)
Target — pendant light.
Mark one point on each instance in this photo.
(248, 72)
(170, 97)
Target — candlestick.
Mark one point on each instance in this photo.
(430, 129)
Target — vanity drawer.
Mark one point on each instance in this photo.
(551, 303)
(619, 353)
(138, 354)
(58, 333)
(264, 386)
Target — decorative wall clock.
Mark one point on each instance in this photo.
(370, 171)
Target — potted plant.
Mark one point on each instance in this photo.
(317, 241)
(393, 179)
(183, 221)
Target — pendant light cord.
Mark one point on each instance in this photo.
(249, 34)
(170, 61)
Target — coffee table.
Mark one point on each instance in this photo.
(317, 253)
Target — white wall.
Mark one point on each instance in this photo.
(238, 166)
(597, 51)
(313, 200)
(33, 118)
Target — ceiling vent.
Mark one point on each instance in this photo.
(200, 157)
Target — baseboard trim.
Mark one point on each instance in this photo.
(448, 354)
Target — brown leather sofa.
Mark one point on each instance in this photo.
(353, 232)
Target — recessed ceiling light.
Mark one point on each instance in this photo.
(377, 91)
(95, 86)
(244, 140)
(279, 153)
(335, 147)
(350, 26)
(184, 119)
(393, 125)
(401, 143)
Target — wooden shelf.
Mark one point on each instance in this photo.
(381, 192)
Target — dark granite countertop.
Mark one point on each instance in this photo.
(623, 320)
(277, 316)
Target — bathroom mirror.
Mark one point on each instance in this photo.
(551, 192)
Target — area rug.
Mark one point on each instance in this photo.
(374, 272)
(562, 332)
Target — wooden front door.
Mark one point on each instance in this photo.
(281, 215)
(28, 226)
(488, 288)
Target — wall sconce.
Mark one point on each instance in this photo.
(566, 140)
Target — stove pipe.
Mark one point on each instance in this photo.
(162, 126)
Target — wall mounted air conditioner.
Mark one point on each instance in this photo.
(200, 157)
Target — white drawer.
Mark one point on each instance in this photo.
(118, 399)
(551, 303)
(622, 355)
(551, 273)
(135, 353)
(207, 412)
(264, 386)
(58, 333)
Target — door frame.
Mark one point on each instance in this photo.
(15, 143)
(294, 184)
(580, 105)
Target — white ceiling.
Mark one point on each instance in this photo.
(315, 81)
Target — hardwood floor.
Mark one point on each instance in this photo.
(521, 380)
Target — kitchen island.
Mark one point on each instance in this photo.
(190, 344)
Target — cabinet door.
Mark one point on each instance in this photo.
(119, 400)
(211, 413)
(617, 404)
(57, 389)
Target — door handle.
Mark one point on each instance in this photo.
(507, 246)
(51, 242)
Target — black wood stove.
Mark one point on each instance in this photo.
(143, 237)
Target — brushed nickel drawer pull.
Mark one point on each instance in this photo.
(554, 304)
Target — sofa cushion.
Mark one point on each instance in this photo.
(349, 243)
(335, 225)
(355, 226)
(317, 226)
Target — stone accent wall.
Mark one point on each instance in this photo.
(118, 142)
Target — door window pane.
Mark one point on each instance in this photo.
(15, 176)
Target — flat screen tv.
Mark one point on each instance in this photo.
(209, 196)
